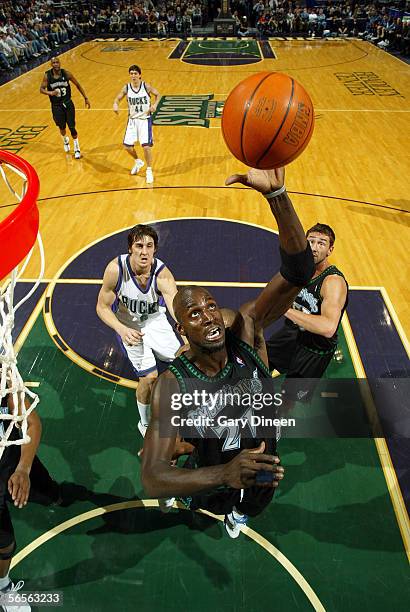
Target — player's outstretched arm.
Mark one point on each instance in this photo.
(72, 78)
(297, 260)
(160, 479)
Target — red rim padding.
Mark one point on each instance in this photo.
(18, 232)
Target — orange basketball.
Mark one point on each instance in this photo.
(267, 120)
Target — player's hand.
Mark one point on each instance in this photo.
(152, 108)
(87, 103)
(130, 336)
(19, 487)
(263, 181)
(115, 108)
(56, 93)
(243, 470)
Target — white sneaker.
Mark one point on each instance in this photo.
(149, 177)
(67, 146)
(77, 154)
(234, 524)
(13, 607)
(142, 428)
(166, 504)
(137, 166)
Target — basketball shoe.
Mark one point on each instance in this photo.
(142, 428)
(166, 503)
(137, 166)
(77, 154)
(234, 521)
(11, 589)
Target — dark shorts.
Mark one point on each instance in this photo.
(43, 490)
(64, 114)
(288, 356)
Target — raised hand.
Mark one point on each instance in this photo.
(264, 181)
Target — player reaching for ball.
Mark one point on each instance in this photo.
(56, 85)
(232, 475)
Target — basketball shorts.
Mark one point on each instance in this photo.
(64, 114)
(289, 357)
(139, 130)
(159, 341)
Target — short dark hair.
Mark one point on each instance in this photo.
(322, 228)
(135, 67)
(139, 231)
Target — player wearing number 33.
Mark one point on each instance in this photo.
(56, 85)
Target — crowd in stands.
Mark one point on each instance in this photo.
(29, 28)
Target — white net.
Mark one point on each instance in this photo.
(17, 401)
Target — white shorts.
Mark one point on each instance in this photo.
(159, 340)
(139, 130)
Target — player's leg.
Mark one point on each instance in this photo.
(59, 116)
(70, 111)
(7, 548)
(146, 139)
(143, 361)
(44, 488)
(130, 137)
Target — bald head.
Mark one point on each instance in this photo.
(185, 298)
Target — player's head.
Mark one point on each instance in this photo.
(321, 238)
(199, 319)
(142, 244)
(55, 63)
(135, 72)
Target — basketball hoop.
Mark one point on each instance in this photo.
(18, 233)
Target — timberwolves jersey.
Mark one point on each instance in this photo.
(62, 83)
(139, 102)
(309, 301)
(136, 306)
(219, 433)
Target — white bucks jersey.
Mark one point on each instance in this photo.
(139, 102)
(135, 306)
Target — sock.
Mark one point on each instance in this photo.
(145, 413)
(4, 582)
(66, 139)
(76, 144)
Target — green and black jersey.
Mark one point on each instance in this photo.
(60, 82)
(235, 386)
(309, 300)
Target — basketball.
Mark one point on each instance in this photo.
(267, 120)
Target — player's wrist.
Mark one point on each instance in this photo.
(275, 193)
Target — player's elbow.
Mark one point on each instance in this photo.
(329, 330)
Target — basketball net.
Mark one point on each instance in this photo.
(12, 386)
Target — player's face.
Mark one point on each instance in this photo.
(320, 245)
(142, 252)
(203, 323)
(55, 63)
(135, 77)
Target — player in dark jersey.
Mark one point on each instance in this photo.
(56, 85)
(236, 479)
(304, 347)
(20, 469)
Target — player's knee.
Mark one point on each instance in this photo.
(73, 131)
(6, 552)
